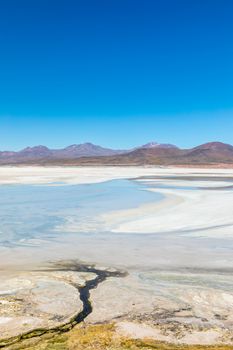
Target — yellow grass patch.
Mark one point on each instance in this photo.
(102, 337)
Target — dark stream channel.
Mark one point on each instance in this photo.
(84, 291)
(101, 276)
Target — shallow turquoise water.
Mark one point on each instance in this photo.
(32, 221)
(32, 212)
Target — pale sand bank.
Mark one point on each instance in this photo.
(181, 210)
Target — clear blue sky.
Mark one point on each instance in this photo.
(115, 72)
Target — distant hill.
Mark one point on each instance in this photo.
(211, 152)
(38, 153)
(152, 153)
(85, 150)
(208, 153)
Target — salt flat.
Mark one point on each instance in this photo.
(169, 229)
(78, 175)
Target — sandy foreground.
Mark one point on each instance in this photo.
(190, 302)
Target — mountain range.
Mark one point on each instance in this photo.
(152, 153)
